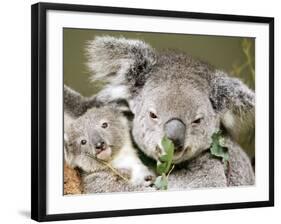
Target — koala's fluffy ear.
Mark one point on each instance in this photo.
(124, 63)
(75, 104)
(232, 99)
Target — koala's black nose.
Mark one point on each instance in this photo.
(175, 131)
(100, 145)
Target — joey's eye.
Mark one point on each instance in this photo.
(197, 121)
(153, 115)
(83, 142)
(104, 125)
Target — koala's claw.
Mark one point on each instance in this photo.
(149, 180)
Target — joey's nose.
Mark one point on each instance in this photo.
(175, 131)
(100, 145)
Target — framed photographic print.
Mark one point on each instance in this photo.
(139, 111)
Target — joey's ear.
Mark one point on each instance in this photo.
(232, 99)
(75, 104)
(123, 63)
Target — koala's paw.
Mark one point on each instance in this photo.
(142, 177)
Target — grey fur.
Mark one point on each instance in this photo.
(75, 105)
(174, 85)
(104, 181)
(207, 170)
(96, 176)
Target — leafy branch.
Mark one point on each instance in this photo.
(164, 164)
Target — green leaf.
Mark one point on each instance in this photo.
(217, 148)
(157, 182)
(167, 158)
(161, 167)
(164, 158)
(161, 182)
(168, 146)
(164, 164)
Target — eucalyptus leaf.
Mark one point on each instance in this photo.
(168, 147)
(161, 168)
(161, 182)
(217, 148)
(164, 158)
(164, 164)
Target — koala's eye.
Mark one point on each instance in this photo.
(153, 115)
(197, 121)
(104, 125)
(83, 142)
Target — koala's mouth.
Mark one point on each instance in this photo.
(104, 154)
(178, 154)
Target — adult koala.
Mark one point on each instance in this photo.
(170, 93)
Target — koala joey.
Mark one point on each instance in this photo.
(101, 135)
(172, 94)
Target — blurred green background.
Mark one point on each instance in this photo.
(235, 55)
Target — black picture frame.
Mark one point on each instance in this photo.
(39, 122)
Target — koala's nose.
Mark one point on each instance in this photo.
(100, 146)
(175, 131)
